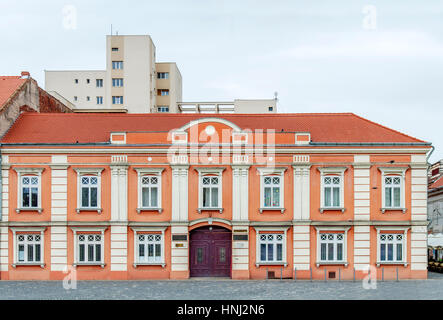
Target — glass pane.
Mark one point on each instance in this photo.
(158, 250)
(327, 197)
(206, 197)
(339, 251)
(37, 253)
(34, 197)
(85, 197)
(98, 252)
(21, 252)
(30, 253)
(81, 253)
(270, 252)
(154, 202)
(396, 197)
(150, 250)
(267, 199)
(90, 252)
(199, 255)
(399, 252)
(276, 197)
(279, 252)
(330, 251)
(25, 197)
(222, 254)
(323, 252)
(262, 252)
(388, 197)
(145, 197)
(214, 194)
(141, 250)
(390, 252)
(336, 196)
(93, 197)
(382, 252)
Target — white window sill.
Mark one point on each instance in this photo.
(162, 264)
(391, 263)
(39, 210)
(22, 264)
(101, 264)
(332, 209)
(160, 210)
(383, 210)
(99, 210)
(210, 209)
(271, 263)
(332, 263)
(272, 209)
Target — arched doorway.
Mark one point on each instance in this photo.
(210, 252)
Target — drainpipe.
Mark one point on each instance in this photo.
(1, 184)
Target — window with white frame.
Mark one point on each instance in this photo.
(332, 188)
(331, 247)
(29, 189)
(149, 188)
(271, 247)
(117, 82)
(391, 247)
(116, 65)
(89, 192)
(88, 189)
(29, 248)
(210, 188)
(150, 248)
(271, 188)
(150, 191)
(89, 248)
(393, 191)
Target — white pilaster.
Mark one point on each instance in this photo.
(419, 253)
(302, 176)
(362, 247)
(119, 248)
(362, 187)
(179, 249)
(301, 247)
(419, 188)
(119, 192)
(240, 248)
(240, 192)
(180, 192)
(5, 188)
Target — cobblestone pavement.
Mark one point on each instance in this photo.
(224, 289)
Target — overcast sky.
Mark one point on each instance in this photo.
(382, 60)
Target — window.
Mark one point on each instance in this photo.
(99, 100)
(117, 82)
(89, 248)
(331, 247)
(88, 81)
(114, 49)
(149, 190)
(150, 248)
(271, 188)
(393, 193)
(163, 92)
(210, 188)
(391, 245)
(75, 98)
(89, 245)
(88, 189)
(76, 81)
(163, 109)
(271, 247)
(332, 188)
(163, 75)
(29, 248)
(270, 109)
(88, 98)
(29, 189)
(99, 83)
(117, 65)
(117, 100)
(89, 192)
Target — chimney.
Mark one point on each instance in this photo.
(25, 75)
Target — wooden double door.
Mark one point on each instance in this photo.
(210, 252)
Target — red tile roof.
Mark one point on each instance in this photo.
(8, 86)
(437, 183)
(93, 128)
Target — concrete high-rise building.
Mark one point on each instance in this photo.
(132, 82)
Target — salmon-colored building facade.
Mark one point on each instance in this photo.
(149, 196)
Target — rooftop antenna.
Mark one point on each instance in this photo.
(111, 29)
(276, 96)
